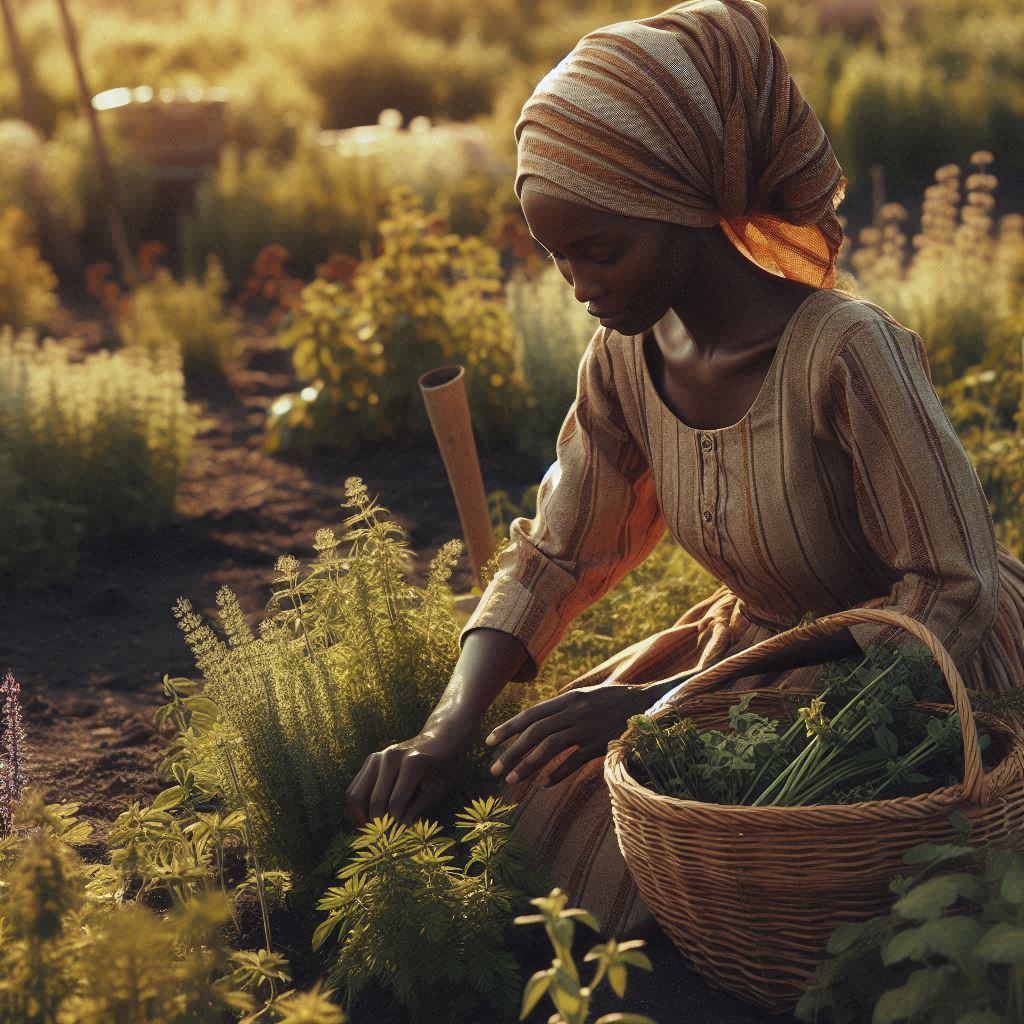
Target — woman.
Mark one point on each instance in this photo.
(786, 432)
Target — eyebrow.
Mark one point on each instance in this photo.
(580, 241)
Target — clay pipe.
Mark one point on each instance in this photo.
(444, 394)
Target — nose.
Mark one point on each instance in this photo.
(586, 286)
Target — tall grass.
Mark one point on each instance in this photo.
(87, 450)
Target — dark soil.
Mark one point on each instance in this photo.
(90, 652)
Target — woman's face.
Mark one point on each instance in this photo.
(628, 271)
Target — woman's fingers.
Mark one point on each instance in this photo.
(517, 723)
(357, 796)
(575, 761)
(532, 736)
(387, 773)
(413, 773)
(429, 791)
(539, 755)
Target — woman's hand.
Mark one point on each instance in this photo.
(405, 778)
(589, 717)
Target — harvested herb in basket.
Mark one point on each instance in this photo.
(860, 738)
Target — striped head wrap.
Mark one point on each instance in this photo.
(690, 117)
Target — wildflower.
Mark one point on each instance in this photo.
(12, 768)
(815, 721)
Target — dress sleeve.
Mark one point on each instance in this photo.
(919, 500)
(597, 517)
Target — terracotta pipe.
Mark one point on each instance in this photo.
(444, 393)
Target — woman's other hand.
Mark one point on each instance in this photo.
(588, 717)
(406, 778)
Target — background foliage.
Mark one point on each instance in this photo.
(86, 449)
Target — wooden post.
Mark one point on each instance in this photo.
(107, 181)
(28, 104)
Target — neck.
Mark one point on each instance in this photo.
(728, 303)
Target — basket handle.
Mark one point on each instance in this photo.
(975, 785)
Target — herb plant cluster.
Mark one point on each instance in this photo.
(861, 738)
(87, 449)
(428, 298)
(352, 658)
(443, 956)
(950, 950)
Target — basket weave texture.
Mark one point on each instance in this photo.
(750, 895)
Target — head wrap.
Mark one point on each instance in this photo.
(690, 117)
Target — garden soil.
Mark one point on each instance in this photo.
(90, 653)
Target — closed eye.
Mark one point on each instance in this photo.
(607, 261)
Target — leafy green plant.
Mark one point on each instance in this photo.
(352, 658)
(561, 982)
(187, 317)
(429, 930)
(67, 956)
(861, 738)
(949, 950)
(87, 449)
(27, 282)
(429, 298)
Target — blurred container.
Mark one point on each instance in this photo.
(450, 150)
(179, 131)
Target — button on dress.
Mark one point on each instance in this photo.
(843, 485)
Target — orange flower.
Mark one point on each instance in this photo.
(96, 275)
(338, 267)
(149, 254)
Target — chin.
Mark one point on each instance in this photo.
(633, 323)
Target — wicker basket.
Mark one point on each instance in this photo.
(750, 895)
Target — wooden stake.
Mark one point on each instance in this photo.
(108, 183)
(28, 105)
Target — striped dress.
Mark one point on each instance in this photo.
(843, 485)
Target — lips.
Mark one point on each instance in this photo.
(607, 318)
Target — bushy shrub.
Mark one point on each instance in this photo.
(27, 283)
(86, 450)
(342, 60)
(317, 199)
(429, 298)
(187, 318)
(74, 190)
(305, 203)
(427, 926)
(353, 658)
(66, 956)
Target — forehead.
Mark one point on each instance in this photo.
(559, 222)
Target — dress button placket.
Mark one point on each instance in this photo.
(707, 479)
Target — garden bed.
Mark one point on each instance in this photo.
(91, 653)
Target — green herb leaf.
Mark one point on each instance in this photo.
(1002, 944)
(930, 898)
(886, 740)
(900, 1003)
(931, 853)
(949, 937)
